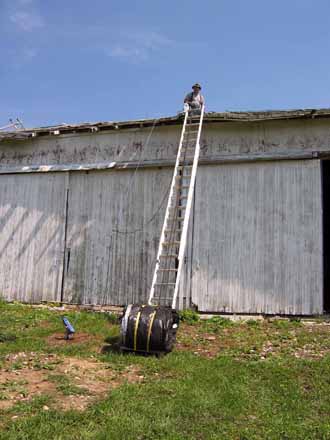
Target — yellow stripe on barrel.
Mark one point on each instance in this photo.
(152, 317)
(136, 328)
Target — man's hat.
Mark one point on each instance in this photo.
(197, 86)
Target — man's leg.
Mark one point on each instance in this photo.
(195, 109)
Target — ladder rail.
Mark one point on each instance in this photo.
(184, 233)
(169, 203)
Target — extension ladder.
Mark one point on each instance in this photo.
(172, 245)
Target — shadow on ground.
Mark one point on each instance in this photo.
(112, 345)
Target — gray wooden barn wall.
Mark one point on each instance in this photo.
(257, 244)
(32, 214)
(255, 237)
(218, 139)
(114, 224)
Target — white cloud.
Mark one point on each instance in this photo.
(27, 21)
(133, 53)
(138, 46)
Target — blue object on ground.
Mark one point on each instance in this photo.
(69, 328)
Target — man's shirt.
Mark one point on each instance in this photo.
(196, 99)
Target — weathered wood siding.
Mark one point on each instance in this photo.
(32, 214)
(224, 140)
(257, 244)
(106, 261)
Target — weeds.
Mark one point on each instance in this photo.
(217, 323)
(189, 316)
(66, 387)
(112, 318)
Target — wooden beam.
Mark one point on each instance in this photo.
(207, 160)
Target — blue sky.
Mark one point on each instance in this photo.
(81, 60)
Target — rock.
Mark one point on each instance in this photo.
(45, 408)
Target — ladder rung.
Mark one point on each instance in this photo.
(182, 176)
(182, 186)
(169, 256)
(167, 231)
(177, 206)
(179, 219)
(159, 300)
(168, 270)
(184, 166)
(164, 284)
(169, 243)
(179, 197)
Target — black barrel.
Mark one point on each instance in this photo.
(149, 329)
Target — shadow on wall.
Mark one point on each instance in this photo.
(32, 213)
(105, 263)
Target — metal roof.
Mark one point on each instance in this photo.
(211, 117)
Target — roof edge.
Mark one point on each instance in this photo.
(210, 117)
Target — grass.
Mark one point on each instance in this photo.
(64, 385)
(225, 380)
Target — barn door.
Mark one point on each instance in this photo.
(258, 238)
(114, 224)
(32, 229)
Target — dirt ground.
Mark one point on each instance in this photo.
(310, 340)
(72, 383)
(57, 339)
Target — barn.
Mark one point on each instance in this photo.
(82, 207)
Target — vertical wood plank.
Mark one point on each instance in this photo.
(32, 215)
(258, 238)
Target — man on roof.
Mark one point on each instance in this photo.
(195, 100)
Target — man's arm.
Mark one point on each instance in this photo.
(187, 99)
